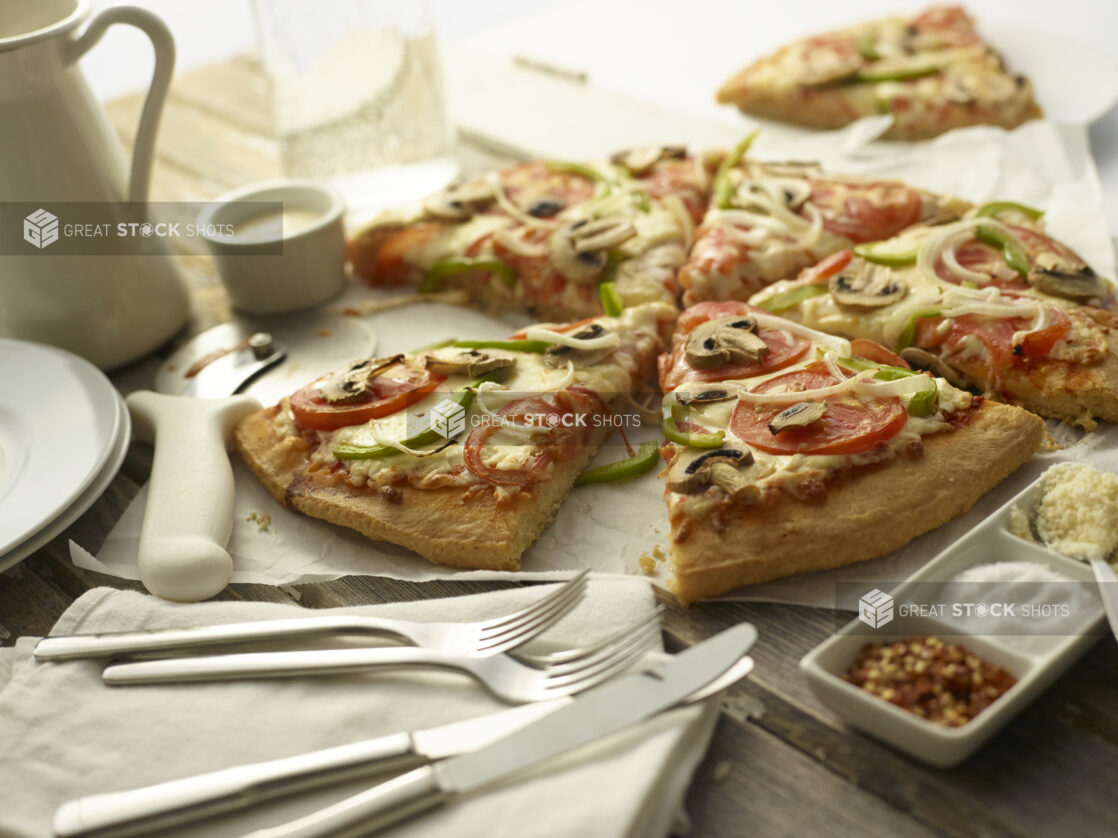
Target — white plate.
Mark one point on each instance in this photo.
(85, 500)
(59, 422)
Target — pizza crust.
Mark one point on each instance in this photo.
(866, 514)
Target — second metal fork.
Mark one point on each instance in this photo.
(475, 639)
(507, 679)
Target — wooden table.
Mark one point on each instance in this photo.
(779, 763)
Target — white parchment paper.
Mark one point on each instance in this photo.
(610, 527)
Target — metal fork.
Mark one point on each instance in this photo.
(508, 679)
(477, 639)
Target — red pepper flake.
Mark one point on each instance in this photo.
(944, 683)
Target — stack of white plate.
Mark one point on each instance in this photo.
(64, 431)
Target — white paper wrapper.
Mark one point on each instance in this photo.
(610, 527)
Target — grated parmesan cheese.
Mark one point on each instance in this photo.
(1078, 513)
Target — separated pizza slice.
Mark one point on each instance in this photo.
(932, 72)
(556, 239)
(989, 301)
(790, 450)
(769, 221)
(462, 453)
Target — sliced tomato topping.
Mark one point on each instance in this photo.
(389, 392)
(680, 178)
(980, 257)
(828, 267)
(866, 212)
(871, 350)
(784, 348)
(565, 426)
(996, 334)
(850, 425)
(527, 183)
(390, 265)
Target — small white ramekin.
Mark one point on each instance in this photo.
(286, 272)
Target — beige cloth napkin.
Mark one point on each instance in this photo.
(64, 734)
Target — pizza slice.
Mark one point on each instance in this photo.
(463, 452)
(556, 239)
(790, 450)
(769, 221)
(932, 72)
(990, 302)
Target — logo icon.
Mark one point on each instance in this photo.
(875, 609)
(40, 228)
(448, 419)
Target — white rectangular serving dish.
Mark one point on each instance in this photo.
(1035, 665)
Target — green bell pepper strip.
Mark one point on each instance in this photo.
(463, 396)
(1010, 247)
(867, 45)
(646, 458)
(440, 344)
(537, 346)
(873, 252)
(723, 188)
(437, 274)
(992, 209)
(578, 169)
(924, 403)
(905, 74)
(672, 432)
(921, 404)
(612, 303)
(785, 300)
(908, 333)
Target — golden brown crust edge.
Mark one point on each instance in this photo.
(866, 514)
(445, 526)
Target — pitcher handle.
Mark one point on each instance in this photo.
(143, 151)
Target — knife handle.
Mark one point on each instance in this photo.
(370, 811)
(173, 803)
(189, 513)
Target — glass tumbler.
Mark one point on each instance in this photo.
(358, 97)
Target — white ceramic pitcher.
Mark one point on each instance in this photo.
(56, 144)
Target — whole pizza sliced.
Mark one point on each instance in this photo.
(989, 301)
(556, 239)
(464, 452)
(790, 450)
(932, 72)
(769, 221)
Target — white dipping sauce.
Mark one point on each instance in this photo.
(273, 226)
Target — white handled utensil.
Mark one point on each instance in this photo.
(189, 513)
(594, 715)
(165, 805)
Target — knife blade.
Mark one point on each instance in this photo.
(176, 802)
(592, 716)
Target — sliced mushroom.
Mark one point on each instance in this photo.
(790, 191)
(1065, 277)
(579, 250)
(545, 207)
(693, 470)
(639, 160)
(559, 354)
(715, 343)
(702, 393)
(798, 416)
(871, 286)
(471, 362)
(352, 383)
(922, 359)
(458, 203)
